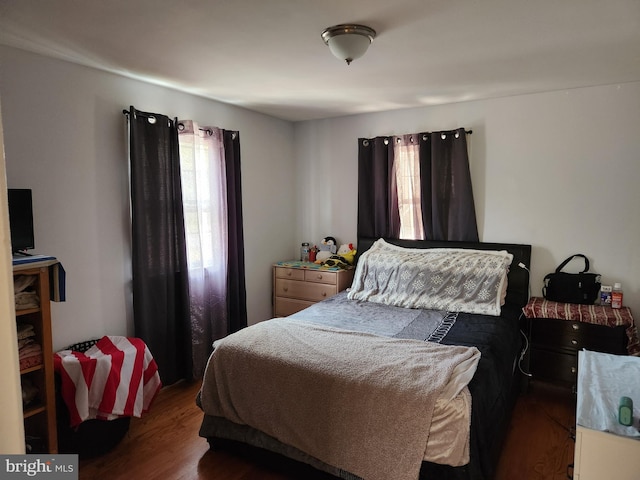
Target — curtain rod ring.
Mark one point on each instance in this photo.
(207, 130)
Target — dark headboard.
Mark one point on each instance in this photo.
(518, 278)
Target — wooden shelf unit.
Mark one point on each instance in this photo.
(40, 418)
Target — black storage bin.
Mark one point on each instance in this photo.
(91, 438)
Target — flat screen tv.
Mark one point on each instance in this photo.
(21, 219)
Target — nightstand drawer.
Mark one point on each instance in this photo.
(554, 366)
(313, 292)
(571, 336)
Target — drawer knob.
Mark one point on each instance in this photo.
(289, 273)
(574, 341)
(286, 289)
(319, 277)
(574, 369)
(575, 326)
(324, 294)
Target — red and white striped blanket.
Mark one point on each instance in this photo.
(116, 377)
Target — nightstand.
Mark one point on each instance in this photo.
(557, 331)
(554, 346)
(297, 285)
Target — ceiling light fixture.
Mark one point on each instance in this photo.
(348, 41)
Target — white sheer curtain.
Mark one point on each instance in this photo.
(406, 174)
(204, 196)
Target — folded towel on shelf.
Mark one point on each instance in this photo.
(25, 300)
(29, 350)
(116, 377)
(25, 296)
(31, 361)
(25, 330)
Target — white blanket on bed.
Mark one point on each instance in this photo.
(455, 280)
(360, 402)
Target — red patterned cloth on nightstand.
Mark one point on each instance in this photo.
(598, 314)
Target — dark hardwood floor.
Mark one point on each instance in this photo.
(540, 440)
(164, 444)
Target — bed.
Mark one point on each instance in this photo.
(308, 387)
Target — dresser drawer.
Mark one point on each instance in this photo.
(290, 273)
(554, 366)
(313, 292)
(319, 276)
(288, 306)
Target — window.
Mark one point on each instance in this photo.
(406, 168)
(203, 199)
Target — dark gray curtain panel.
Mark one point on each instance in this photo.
(448, 209)
(160, 277)
(378, 214)
(236, 294)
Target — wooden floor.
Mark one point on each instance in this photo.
(164, 444)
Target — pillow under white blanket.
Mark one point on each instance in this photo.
(458, 280)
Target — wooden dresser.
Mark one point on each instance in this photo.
(297, 285)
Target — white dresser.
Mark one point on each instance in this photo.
(605, 449)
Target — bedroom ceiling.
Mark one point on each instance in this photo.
(268, 56)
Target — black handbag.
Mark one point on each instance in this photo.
(565, 287)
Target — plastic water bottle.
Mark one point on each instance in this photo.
(304, 252)
(616, 296)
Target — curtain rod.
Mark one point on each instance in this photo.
(142, 114)
(126, 112)
(234, 133)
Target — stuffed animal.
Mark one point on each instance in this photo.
(326, 249)
(343, 259)
(347, 252)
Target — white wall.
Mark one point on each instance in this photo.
(65, 138)
(558, 170)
